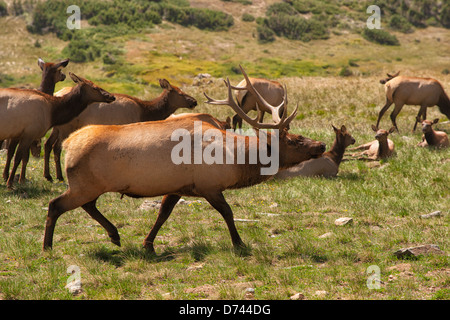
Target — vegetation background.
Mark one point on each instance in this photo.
(331, 64)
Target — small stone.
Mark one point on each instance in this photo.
(420, 250)
(321, 293)
(250, 290)
(298, 296)
(326, 235)
(435, 214)
(343, 221)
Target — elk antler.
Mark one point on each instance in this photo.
(279, 122)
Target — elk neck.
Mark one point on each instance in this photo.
(67, 107)
(383, 148)
(431, 138)
(444, 104)
(158, 108)
(336, 152)
(47, 86)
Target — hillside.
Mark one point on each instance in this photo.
(180, 53)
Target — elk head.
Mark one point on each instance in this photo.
(53, 70)
(91, 91)
(427, 124)
(343, 137)
(381, 134)
(177, 97)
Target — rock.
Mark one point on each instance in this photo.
(420, 250)
(298, 296)
(434, 214)
(343, 221)
(326, 235)
(150, 204)
(321, 293)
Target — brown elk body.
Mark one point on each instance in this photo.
(425, 92)
(136, 160)
(125, 109)
(381, 148)
(26, 115)
(433, 137)
(271, 91)
(51, 74)
(327, 165)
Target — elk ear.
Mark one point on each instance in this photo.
(435, 120)
(77, 79)
(343, 128)
(41, 64)
(165, 84)
(374, 128)
(62, 64)
(335, 129)
(392, 129)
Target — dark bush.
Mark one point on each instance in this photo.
(265, 34)
(399, 23)
(3, 9)
(380, 36)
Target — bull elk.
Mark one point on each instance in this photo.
(380, 148)
(51, 74)
(328, 164)
(425, 92)
(272, 91)
(125, 109)
(433, 137)
(136, 160)
(26, 115)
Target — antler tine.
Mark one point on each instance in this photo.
(261, 101)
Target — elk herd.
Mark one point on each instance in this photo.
(118, 143)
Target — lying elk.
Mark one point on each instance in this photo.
(270, 90)
(381, 148)
(26, 115)
(328, 164)
(125, 109)
(433, 137)
(425, 92)
(51, 74)
(136, 160)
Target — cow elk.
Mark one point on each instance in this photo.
(381, 148)
(26, 115)
(136, 160)
(327, 165)
(272, 91)
(125, 109)
(433, 137)
(51, 74)
(425, 92)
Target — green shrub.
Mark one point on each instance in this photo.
(297, 27)
(445, 16)
(380, 36)
(399, 23)
(248, 17)
(3, 9)
(265, 34)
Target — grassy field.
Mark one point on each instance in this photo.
(281, 221)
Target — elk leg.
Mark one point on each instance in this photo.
(167, 204)
(21, 152)
(47, 150)
(92, 210)
(69, 200)
(220, 204)
(25, 158)
(9, 155)
(423, 113)
(57, 148)
(394, 114)
(383, 110)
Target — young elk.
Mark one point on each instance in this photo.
(272, 91)
(26, 115)
(381, 148)
(328, 164)
(51, 74)
(137, 160)
(125, 109)
(425, 92)
(432, 137)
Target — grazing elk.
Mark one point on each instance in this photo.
(271, 91)
(51, 74)
(327, 165)
(432, 137)
(425, 92)
(125, 109)
(26, 115)
(136, 160)
(378, 149)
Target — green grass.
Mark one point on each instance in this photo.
(194, 256)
